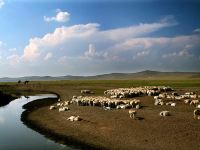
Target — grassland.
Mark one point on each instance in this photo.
(112, 129)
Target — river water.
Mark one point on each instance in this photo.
(14, 135)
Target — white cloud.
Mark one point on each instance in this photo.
(1, 3)
(86, 46)
(1, 43)
(48, 56)
(137, 30)
(182, 53)
(61, 16)
(61, 35)
(77, 37)
(12, 49)
(92, 53)
(13, 59)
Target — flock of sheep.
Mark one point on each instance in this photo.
(120, 99)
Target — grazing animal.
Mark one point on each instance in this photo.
(164, 113)
(197, 113)
(52, 107)
(19, 81)
(137, 106)
(63, 109)
(106, 108)
(77, 118)
(132, 113)
(169, 103)
(86, 92)
(26, 82)
(74, 118)
(173, 104)
(186, 101)
(194, 102)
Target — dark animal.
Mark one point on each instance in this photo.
(26, 82)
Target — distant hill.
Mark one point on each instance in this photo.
(143, 75)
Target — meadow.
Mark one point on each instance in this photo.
(113, 129)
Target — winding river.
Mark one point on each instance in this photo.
(15, 135)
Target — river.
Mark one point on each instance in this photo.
(15, 135)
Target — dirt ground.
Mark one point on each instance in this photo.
(113, 129)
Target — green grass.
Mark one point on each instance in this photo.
(102, 83)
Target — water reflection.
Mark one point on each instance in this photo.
(15, 135)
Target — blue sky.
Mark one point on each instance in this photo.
(60, 37)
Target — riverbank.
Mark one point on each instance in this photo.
(102, 129)
(113, 129)
(6, 98)
(60, 138)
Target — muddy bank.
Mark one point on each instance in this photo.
(5, 98)
(60, 138)
(102, 129)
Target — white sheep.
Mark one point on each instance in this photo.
(106, 108)
(74, 118)
(173, 104)
(164, 113)
(63, 109)
(198, 106)
(71, 118)
(194, 102)
(186, 101)
(169, 103)
(52, 107)
(132, 113)
(137, 106)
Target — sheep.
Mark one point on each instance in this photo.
(137, 106)
(186, 101)
(173, 104)
(194, 102)
(164, 113)
(169, 103)
(156, 97)
(74, 118)
(58, 104)
(197, 113)
(133, 92)
(132, 113)
(175, 94)
(77, 118)
(66, 103)
(106, 108)
(52, 107)
(63, 109)
(86, 92)
(74, 97)
(71, 118)
(158, 102)
(193, 96)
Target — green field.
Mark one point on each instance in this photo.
(67, 87)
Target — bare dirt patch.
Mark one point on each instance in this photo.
(114, 129)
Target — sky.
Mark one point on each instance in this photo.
(89, 37)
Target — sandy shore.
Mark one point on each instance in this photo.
(113, 129)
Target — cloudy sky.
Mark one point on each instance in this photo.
(82, 37)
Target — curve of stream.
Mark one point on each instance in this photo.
(15, 135)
